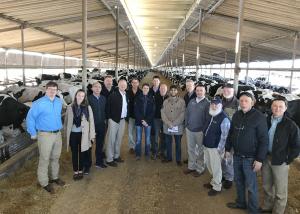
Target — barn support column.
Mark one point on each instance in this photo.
(5, 64)
(117, 43)
(183, 55)
(177, 56)
(23, 55)
(269, 72)
(42, 63)
(198, 45)
(238, 46)
(134, 54)
(225, 62)
(64, 56)
(128, 43)
(293, 61)
(248, 61)
(84, 44)
(99, 64)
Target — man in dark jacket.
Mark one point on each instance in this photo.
(155, 86)
(248, 136)
(108, 87)
(157, 123)
(190, 91)
(284, 147)
(132, 93)
(144, 115)
(98, 103)
(116, 114)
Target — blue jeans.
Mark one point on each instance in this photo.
(168, 141)
(245, 179)
(138, 146)
(155, 135)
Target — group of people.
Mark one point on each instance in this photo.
(225, 135)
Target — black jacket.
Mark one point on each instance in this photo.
(98, 107)
(248, 135)
(105, 92)
(114, 106)
(159, 100)
(152, 92)
(188, 98)
(286, 142)
(131, 98)
(143, 112)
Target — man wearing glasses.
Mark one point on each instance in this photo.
(44, 124)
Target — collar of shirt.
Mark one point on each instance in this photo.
(199, 99)
(122, 93)
(276, 119)
(155, 89)
(97, 97)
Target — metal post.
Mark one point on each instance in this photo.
(64, 56)
(128, 43)
(225, 62)
(23, 54)
(5, 63)
(248, 61)
(238, 43)
(183, 55)
(293, 61)
(134, 54)
(42, 63)
(198, 46)
(269, 72)
(84, 44)
(117, 43)
(99, 64)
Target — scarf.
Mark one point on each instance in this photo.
(78, 111)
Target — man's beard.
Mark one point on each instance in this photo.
(215, 112)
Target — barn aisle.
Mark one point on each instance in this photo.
(139, 187)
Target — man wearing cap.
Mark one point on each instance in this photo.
(248, 137)
(196, 120)
(214, 144)
(284, 147)
(230, 106)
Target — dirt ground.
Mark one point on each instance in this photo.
(146, 186)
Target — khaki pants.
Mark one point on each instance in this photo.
(131, 133)
(213, 160)
(275, 186)
(115, 136)
(49, 145)
(195, 151)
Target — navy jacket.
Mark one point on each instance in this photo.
(98, 107)
(248, 135)
(131, 98)
(143, 112)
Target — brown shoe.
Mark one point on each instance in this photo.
(188, 171)
(58, 181)
(49, 188)
(197, 174)
(131, 151)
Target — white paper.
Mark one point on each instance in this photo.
(173, 129)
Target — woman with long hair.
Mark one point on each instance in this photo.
(80, 131)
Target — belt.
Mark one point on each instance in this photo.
(243, 156)
(56, 131)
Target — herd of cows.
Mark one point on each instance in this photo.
(15, 101)
(263, 91)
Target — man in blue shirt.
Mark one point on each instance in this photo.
(44, 124)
